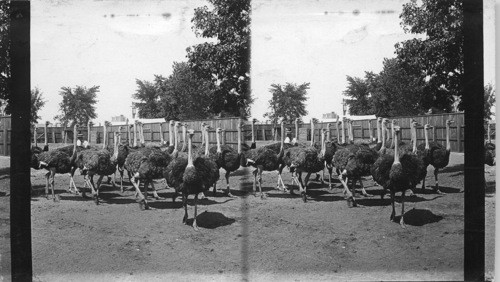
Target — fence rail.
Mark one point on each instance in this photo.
(263, 132)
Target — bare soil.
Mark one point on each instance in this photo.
(248, 238)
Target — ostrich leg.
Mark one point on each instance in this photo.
(262, 195)
(99, 181)
(155, 194)
(47, 177)
(121, 178)
(363, 189)
(280, 179)
(350, 198)
(195, 226)
(228, 191)
(138, 193)
(184, 203)
(52, 175)
(330, 172)
(402, 222)
(393, 214)
(436, 189)
(72, 182)
(255, 182)
(304, 193)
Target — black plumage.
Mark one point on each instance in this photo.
(438, 156)
(56, 162)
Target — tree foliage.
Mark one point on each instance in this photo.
(392, 92)
(149, 98)
(37, 102)
(183, 95)
(287, 102)
(226, 62)
(4, 52)
(439, 55)
(78, 105)
(489, 101)
(358, 89)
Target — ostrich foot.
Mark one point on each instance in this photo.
(184, 219)
(436, 190)
(351, 202)
(195, 226)
(402, 222)
(392, 216)
(143, 205)
(263, 196)
(57, 199)
(96, 199)
(411, 194)
(304, 197)
(366, 194)
(228, 194)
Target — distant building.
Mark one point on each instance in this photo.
(120, 118)
(330, 116)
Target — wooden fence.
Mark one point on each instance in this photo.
(262, 131)
(5, 133)
(361, 129)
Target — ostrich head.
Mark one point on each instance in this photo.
(254, 121)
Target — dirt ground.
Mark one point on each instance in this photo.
(278, 238)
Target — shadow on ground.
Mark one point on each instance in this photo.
(419, 217)
(211, 220)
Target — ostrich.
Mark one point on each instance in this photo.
(196, 179)
(55, 161)
(170, 148)
(378, 145)
(101, 162)
(227, 158)
(265, 158)
(305, 159)
(439, 156)
(146, 164)
(397, 173)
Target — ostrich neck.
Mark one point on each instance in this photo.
(282, 147)
(343, 133)
(217, 139)
(338, 133)
(448, 145)
(396, 153)
(105, 137)
(383, 136)
(161, 134)
(73, 156)
(115, 148)
(328, 134)
(392, 135)
(239, 139)
(426, 136)
(379, 137)
(414, 139)
(176, 133)
(190, 157)
(135, 134)
(184, 138)
(312, 133)
(170, 135)
(253, 133)
(207, 152)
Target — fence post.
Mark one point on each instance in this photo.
(434, 134)
(263, 133)
(45, 133)
(53, 135)
(459, 138)
(5, 138)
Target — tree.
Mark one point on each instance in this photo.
(394, 91)
(4, 53)
(489, 101)
(439, 55)
(37, 102)
(288, 102)
(183, 95)
(149, 99)
(78, 105)
(359, 90)
(226, 62)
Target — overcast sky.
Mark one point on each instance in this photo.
(110, 43)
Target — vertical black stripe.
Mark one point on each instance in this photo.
(474, 144)
(20, 187)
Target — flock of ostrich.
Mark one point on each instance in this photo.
(189, 170)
